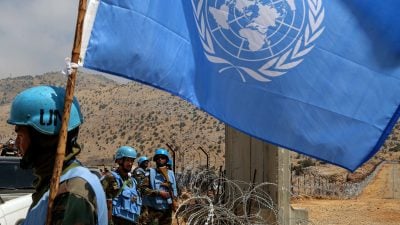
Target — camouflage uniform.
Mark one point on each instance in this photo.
(110, 186)
(153, 216)
(112, 190)
(140, 175)
(75, 203)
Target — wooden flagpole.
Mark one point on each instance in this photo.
(69, 94)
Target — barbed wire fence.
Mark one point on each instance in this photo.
(319, 186)
(208, 197)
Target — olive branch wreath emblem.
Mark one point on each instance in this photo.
(276, 66)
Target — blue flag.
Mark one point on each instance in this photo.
(318, 77)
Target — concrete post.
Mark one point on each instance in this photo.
(244, 155)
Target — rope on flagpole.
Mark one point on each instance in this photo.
(69, 67)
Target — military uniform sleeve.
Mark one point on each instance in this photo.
(75, 203)
(110, 186)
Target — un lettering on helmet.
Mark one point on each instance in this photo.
(41, 107)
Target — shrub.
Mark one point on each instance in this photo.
(306, 163)
(395, 149)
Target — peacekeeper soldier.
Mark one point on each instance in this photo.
(36, 113)
(123, 199)
(159, 191)
(140, 171)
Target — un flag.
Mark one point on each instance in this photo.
(318, 77)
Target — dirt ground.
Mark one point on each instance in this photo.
(379, 203)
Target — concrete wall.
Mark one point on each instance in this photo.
(244, 155)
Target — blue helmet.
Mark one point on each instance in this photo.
(142, 159)
(161, 151)
(41, 107)
(170, 163)
(125, 151)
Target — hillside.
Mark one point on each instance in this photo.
(146, 118)
(128, 114)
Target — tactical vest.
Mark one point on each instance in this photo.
(128, 203)
(156, 179)
(37, 215)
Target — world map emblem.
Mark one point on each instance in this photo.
(260, 39)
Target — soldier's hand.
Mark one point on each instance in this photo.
(164, 194)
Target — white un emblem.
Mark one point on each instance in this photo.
(258, 38)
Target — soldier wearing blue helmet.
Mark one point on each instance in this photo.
(159, 191)
(140, 171)
(36, 113)
(123, 199)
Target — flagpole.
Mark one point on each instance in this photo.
(69, 94)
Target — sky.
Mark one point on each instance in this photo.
(35, 35)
